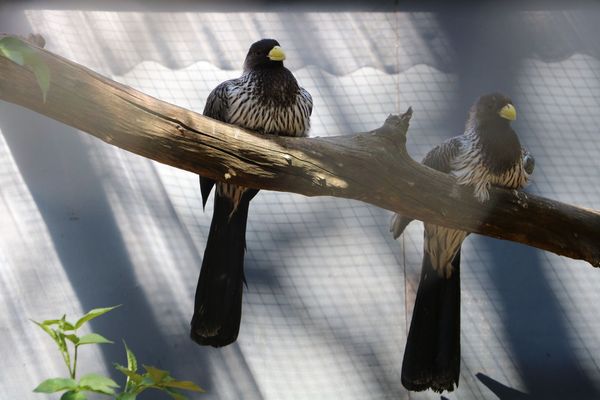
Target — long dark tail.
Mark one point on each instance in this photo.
(218, 302)
(432, 354)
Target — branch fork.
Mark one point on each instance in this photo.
(373, 167)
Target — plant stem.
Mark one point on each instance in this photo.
(70, 370)
(74, 363)
(67, 359)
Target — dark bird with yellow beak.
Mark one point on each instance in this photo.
(266, 99)
(488, 153)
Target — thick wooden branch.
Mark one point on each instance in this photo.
(373, 167)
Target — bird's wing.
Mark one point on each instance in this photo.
(307, 100)
(217, 103)
(216, 107)
(528, 161)
(439, 158)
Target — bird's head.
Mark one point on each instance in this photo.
(494, 108)
(264, 54)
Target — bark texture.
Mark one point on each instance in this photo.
(373, 167)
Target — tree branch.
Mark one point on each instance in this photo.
(373, 167)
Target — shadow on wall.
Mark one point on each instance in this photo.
(328, 328)
(65, 187)
(536, 330)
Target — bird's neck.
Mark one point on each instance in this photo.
(273, 84)
(500, 145)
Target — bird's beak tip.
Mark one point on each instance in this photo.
(508, 112)
(276, 54)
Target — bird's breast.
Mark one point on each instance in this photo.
(471, 167)
(252, 110)
(512, 178)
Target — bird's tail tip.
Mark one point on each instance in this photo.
(432, 353)
(439, 383)
(204, 336)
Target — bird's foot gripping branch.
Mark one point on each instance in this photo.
(373, 167)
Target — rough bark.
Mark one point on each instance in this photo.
(373, 167)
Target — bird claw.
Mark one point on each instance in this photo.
(521, 198)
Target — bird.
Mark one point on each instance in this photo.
(487, 153)
(266, 98)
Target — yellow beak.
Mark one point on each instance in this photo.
(276, 54)
(509, 112)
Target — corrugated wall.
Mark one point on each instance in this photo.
(84, 224)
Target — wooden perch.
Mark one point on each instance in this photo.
(373, 167)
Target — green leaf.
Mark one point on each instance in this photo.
(12, 48)
(49, 322)
(63, 324)
(132, 364)
(134, 376)
(59, 339)
(174, 394)
(132, 367)
(156, 374)
(98, 383)
(72, 395)
(73, 338)
(62, 346)
(55, 385)
(185, 385)
(126, 396)
(147, 380)
(93, 338)
(96, 312)
(53, 334)
(19, 52)
(42, 75)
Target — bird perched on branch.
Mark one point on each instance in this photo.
(488, 153)
(266, 99)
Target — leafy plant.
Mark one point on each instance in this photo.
(154, 378)
(64, 332)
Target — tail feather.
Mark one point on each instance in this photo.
(206, 185)
(432, 354)
(218, 301)
(398, 224)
